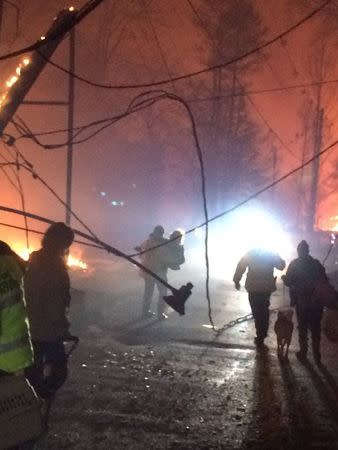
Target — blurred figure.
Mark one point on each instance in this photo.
(15, 347)
(156, 261)
(175, 251)
(47, 291)
(301, 277)
(260, 283)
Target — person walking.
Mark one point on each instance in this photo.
(302, 275)
(156, 261)
(260, 283)
(47, 292)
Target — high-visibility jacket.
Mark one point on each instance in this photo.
(15, 347)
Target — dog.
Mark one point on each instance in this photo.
(284, 329)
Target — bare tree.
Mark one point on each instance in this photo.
(230, 28)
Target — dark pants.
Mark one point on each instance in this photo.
(149, 286)
(309, 318)
(260, 303)
(49, 371)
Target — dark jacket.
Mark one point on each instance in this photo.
(301, 277)
(47, 293)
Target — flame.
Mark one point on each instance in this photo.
(72, 261)
(13, 79)
(76, 263)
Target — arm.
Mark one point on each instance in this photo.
(279, 263)
(289, 277)
(240, 269)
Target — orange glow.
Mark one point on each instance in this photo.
(76, 263)
(333, 223)
(22, 252)
(72, 261)
(12, 80)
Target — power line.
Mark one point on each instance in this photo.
(34, 135)
(81, 14)
(252, 196)
(31, 230)
(264, 91)
(158, 43)
(141, 101)
(28, 166)
(104, 246)
(198, 72)
(280, 140)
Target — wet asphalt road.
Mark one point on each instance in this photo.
(138, 384)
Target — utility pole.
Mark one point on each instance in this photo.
(30, 68)
(1, 15)
(315, 172)
(71, 91)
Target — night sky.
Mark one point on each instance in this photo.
(144, 169)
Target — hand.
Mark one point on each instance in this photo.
(283, 277)
(237, 285)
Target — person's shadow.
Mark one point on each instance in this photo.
(327, 389)
(300, 424)
(266, 430)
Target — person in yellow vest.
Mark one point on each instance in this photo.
(16, 351)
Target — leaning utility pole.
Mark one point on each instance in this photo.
(1, 15)
(30, 68)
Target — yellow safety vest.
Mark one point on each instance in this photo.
(15, 347)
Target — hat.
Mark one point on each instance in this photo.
(303, 246)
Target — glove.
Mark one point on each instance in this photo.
(237, 285)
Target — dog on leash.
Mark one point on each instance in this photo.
(284, 329)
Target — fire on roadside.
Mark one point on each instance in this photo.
(72, 261)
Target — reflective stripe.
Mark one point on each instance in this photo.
(13, 299)
(13, 345)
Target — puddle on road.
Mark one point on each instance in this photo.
(236, 368)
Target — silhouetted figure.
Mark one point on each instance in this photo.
(175, 251)
(260, 283)
(47, 291)
(301, 277)
(156, 261)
